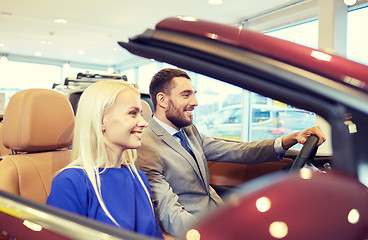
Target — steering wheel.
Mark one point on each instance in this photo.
(306, 154)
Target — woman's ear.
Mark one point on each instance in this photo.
(162, 100)
(103, 126)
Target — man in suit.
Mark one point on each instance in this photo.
(176, 165)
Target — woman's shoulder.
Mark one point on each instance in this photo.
(71, 174)
(140, 172)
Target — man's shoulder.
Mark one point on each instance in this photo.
(148, 135)
(150, 141)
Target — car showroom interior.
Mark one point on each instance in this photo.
(195, 120)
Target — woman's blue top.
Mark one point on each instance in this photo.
(123, 195)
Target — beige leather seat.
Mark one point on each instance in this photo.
(146, 110)
(38, 125)
(3, 149)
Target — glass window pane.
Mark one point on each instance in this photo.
(305, 33)
(220, 113)
(32, 75)
(357, 37)
(145, 74)
(130, 75)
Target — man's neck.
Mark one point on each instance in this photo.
(163, 119)
(165, 126)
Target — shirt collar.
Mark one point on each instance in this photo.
(168, 128)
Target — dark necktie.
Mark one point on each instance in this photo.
(185, 144)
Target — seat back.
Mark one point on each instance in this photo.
(3, 149)
(146, 110)
(38, 125)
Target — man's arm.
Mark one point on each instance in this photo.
(233, 151)
(301, 137)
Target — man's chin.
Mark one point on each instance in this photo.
(188, 121)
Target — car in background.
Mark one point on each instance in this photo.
(301, 204)
(265, 122)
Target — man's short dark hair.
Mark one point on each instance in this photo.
(161, 82)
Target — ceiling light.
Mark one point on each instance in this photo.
(61, 21)
(45, 42)
(38, 53)
(81, 52)
(215, 2)
(117, 49)
(2, 44)
(350, 2)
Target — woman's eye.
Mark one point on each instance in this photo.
(134, 113)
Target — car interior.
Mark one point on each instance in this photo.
(38, 126)
(223, 176)
(36, 138)
(3, 150)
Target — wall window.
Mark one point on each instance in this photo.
(228, 112)
(130, 73)
(145, 74)
(305, 34)
(357, 48)
(16, 76)
(357, 35)
(217, 102)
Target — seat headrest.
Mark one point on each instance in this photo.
(146, 110)
(38, 120)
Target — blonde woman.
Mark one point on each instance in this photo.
(101, 182)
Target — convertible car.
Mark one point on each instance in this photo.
(294, 203)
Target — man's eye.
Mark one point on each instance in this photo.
(134, 113)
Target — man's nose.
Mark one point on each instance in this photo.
(193, 101)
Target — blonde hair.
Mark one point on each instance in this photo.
(90, 147)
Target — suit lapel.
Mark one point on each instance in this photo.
(198, 156)
(162, 134)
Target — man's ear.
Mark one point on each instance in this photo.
(162, 100)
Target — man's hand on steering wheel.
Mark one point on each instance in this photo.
(306, 154)
(301, 137)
